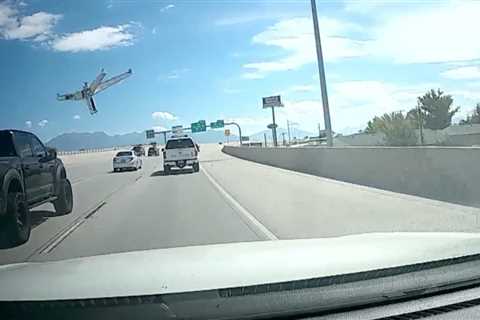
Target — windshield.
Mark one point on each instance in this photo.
(180, 144)
(7, 148)
(241, 128)
(124, 154)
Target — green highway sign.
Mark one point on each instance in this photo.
(217, 124)
(199, 126)
(150, 134)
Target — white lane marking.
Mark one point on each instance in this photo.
(248, 217)
(65, 234)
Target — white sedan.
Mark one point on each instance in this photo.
(126, 160)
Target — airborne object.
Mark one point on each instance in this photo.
(97, 85)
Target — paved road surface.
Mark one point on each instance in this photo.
(228, 200)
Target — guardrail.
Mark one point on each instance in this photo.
(82, 151)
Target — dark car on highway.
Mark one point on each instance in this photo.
(139, 150)
(30, 175)
(153, 151)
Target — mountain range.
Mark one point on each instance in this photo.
(97, 140)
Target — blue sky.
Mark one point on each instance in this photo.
(213, 60)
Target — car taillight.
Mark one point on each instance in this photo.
(115, 159)
(129, 159)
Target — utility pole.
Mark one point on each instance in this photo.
(288, 129)
(265, 138)
(283, 136)
(274, 128)
(321, 75)
(420, 123)
(319, 133)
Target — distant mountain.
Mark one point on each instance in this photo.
(294, 132)
(96, 140)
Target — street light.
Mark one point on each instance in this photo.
(321, 74)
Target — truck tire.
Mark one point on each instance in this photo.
(166, 170)
(17, 223)
(64, 203)
(196, 167)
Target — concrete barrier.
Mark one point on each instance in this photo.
(443, 173)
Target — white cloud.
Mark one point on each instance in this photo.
(471, 72)
(76, 117)
(159, 128)
(295, 36)
(437, 33)
(43, 123)
(28, 124)
(167, 7)
(163, 115)
(37, 26)
(102, 38)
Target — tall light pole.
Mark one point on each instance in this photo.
(288, 130)
(321, 74)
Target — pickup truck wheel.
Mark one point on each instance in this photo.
(196, 167)
(64, 203)
(17, 223)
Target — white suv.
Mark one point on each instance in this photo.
(180, 152)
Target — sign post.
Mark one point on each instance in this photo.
(199, 126)
(217, 124)
(273, 102)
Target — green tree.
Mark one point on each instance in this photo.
(436, 108)
(415, 115)
(474, 117)
(373, 126)
(397, 129)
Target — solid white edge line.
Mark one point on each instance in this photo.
(248, 217)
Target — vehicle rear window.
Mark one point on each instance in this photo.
(124, 154)
(6, 145)
(180, 143)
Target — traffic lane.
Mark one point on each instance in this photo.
(88, 194)
(84, 166)
(157, 211)
(296, 205)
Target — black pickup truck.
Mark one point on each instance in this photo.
(30, 175)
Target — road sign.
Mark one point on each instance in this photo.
(177, 129)
(271, 126)
(199, 126)
(150, 134)
(217, 124)
(273, 101)
(245, 138)
(227, 132)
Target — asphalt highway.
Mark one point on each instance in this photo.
(229, 200)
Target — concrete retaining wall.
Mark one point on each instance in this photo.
(444, 173)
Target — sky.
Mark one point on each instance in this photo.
(209, 59)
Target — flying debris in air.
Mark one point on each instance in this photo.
(97, 85)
